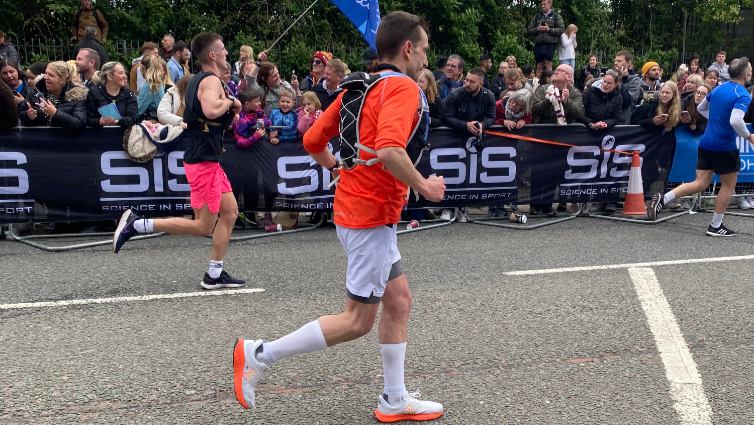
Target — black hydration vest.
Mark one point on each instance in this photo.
(204, 135)
(357, 85)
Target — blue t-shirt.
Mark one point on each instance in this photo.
(20, 88)
(720, 135)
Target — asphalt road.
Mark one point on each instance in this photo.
(556, 348)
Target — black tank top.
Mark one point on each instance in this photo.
(205, 136)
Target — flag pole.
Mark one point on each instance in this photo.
(294, 23)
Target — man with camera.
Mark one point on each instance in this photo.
(545, 28)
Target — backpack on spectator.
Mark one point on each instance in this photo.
(78, 19)
(357, 85)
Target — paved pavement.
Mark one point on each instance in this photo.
(570, 347)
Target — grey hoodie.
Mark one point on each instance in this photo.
(7, 49)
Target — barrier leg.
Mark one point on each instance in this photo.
(737, 214)
(27, 240)
(530, 227)
(306, 228)
(690, 210)
(456, 214)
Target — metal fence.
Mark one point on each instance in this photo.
(41, 50)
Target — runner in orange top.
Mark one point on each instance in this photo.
(368, 201)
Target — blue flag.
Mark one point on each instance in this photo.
(364, 15)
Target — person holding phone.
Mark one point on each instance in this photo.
(662, 112)
(264, 77)
(15, 79)
(545, 28)
(58, 101)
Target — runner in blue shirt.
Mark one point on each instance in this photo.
(725, 108)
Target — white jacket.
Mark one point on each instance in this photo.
(168, 108)
(567, 47)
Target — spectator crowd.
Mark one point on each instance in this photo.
(93, 91)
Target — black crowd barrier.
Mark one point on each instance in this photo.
(48, 176)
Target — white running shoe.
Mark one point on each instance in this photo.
(445, 216)
(750, 200)
(410, 409)
(743, 203)
(247, 371)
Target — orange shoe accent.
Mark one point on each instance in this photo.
(239, 360)
(405, 417)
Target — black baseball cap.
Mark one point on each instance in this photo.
(369, 55)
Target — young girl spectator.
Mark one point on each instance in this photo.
(711, 77)
(567, 46)
(172, 105)
(689, 115)
(662, 112)
(252, 123)
(308, 112)
(429, 87)
(284, 116)
(15, 79)
(156, 78)
(112, 88)
(693, 65)
(225, 76)
(514, 110)
(63, 102)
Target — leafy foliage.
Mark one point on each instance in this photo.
(651, 28)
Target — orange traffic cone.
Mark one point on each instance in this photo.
(634, 204)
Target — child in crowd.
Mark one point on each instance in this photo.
(251, 124)
(225, 76)
(309, 111)
(284, 116)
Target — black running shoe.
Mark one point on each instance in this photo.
(720, 231)
(224, 281)
(655, 206)
(125, 230)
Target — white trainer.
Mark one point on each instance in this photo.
(247, 371)
(743, 203)
(410, 409)
(445, 216)
(750, 200)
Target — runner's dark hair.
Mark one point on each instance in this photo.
(395, 29)
(202, 43)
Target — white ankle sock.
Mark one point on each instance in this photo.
(669, 197)
(717, 220)
(144, 225)
(308, 339)
(393, 359)
(215, 268)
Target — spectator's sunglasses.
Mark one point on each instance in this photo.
(611, 72)
(316, 62)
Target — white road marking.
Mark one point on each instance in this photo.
(66, 303)
(686, 387)
(630, 265)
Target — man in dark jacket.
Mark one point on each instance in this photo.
(471, 107)
(87, 63)
(329, 89)
(86, 16)
(453, 77)
(7, 49)
(441, 63)
(485, 64)
(630, 85)
(545, 28)
(587, 72)
(497, 85)
(90, 42)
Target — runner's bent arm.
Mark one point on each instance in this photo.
(213, 100)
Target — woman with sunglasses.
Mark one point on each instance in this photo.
(319, 60)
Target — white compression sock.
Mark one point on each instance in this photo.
(308, 339)
(669, 197)
(393, 359)
(144, 226)
(717, 220)
(215, 268)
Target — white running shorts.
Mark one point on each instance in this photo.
(371, 253)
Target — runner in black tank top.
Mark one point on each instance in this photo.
(210, 109)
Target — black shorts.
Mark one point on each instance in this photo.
(544, 52)
(719, 162)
